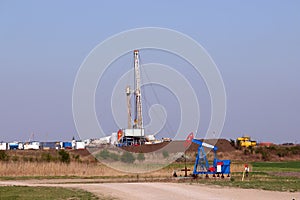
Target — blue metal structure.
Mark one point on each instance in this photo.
(202, 166)
(67, 145)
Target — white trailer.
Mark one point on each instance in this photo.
(105, 140)
(32, 145)
(3, 146)
(20, 145)
(114, 138)
(80, 145)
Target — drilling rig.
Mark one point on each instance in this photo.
(133, 134)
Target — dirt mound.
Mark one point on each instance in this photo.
(145, 148)
(177, 146)
(222, 144)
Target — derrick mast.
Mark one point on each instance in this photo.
(138, 120)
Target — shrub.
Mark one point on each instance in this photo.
(77, 157)
(46, 157)
(3, 156)
(114, 156)
(64, 156)
(15, 158)
(232, 142)
(251, 149)
(265, 156)
(272, 148)
(140, 157)
(295, 150)
(165, 154)
(127, 157)
(104, 154)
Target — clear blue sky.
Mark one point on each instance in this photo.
(255, 44)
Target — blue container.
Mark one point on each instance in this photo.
(13, 146)
(67, 145)
(50, 145)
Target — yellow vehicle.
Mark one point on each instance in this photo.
(245, 141)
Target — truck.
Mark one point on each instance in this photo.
(245, 141)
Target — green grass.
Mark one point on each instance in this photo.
(45, 193)
(264, 176)
(291, 166)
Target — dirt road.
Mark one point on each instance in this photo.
(162, 191)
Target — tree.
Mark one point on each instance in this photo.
(3, 156)
(127, 157)
(64, 156)
(104, 154)
(140, 157)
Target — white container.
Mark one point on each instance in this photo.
(134, 132)
(114, 138)
(104, 140)
(80, 145)
(3, 146)
(21, 146)
(150, 137)
(32, 146)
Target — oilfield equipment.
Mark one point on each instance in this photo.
(245, 141)
(201, 166)
(134, 134)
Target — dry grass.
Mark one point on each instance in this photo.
(14, 169)
(239, 167)
(32, 163)
(55, 169)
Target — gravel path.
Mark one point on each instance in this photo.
(162, 191)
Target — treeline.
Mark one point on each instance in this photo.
(56, 156)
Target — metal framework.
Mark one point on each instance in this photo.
(138, 120)
(134, 134)
(128, 92)
(202, 166)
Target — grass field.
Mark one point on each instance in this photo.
(291, 166)
(45, 193)
(276, 176)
